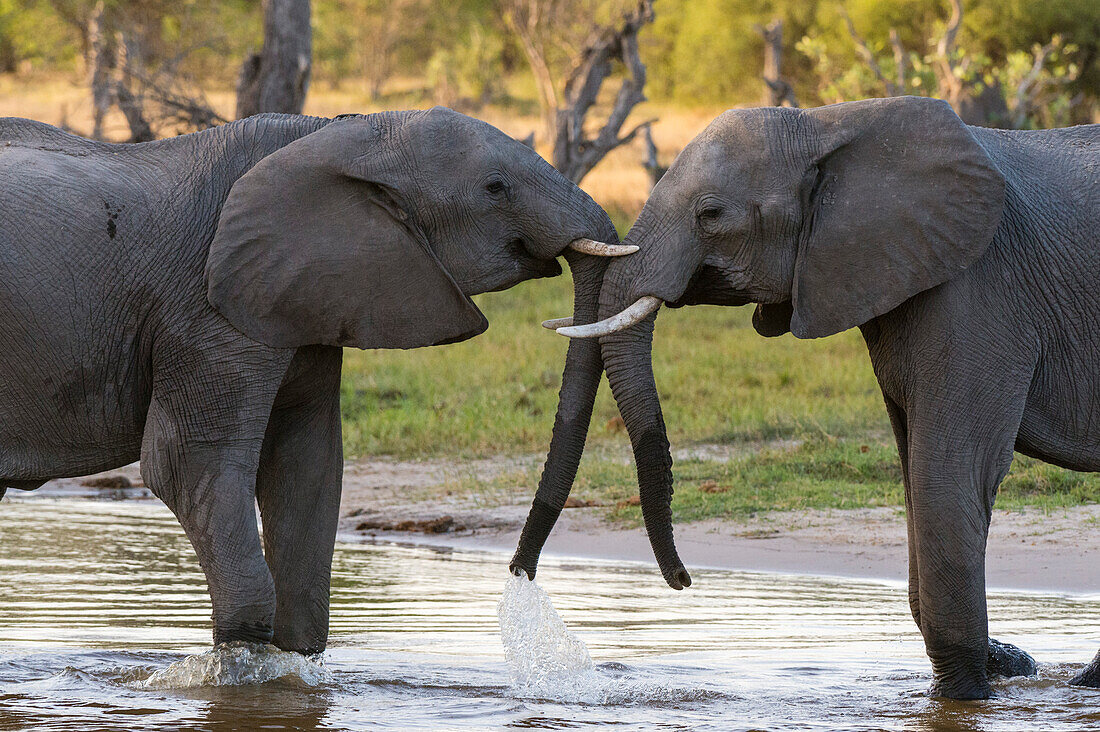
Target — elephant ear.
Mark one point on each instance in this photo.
(313, 247)
(905, 199)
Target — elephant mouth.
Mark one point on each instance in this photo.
(711, 286)
(526, 267)
(531, 267)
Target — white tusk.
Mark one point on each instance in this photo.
(599, 249)
(557, 323)
(633, 315)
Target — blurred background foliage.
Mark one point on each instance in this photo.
(698, 52)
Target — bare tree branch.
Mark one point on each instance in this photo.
(530, 21)
(650, 162)
(949, 81)
(868, 55)
(901, 61)
(1029, 92)
(778, 91)
(575, 154)
(167, 90)
(947, 43)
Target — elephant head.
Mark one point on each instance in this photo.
(826, 218)
(374, 231)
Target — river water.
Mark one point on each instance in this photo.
(97, 597)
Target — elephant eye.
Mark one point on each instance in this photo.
(710, 213)
(495, 186)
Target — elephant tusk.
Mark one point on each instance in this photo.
(599, 249)
(557, 323)
(633, 315)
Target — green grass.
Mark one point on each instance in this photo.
(821, 474)
(814, 475)
(720, 383)
(496, 394)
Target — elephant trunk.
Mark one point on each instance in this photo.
(627, 356)
(580, 381)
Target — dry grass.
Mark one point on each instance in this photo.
(619, 183)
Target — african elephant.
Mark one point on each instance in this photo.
(968, 258)
(185, 301)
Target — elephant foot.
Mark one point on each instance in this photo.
(306, 642)
(960, 691)
(250, 632)
(1090, 676)
(959, 672)
(1007, 660)
(250, 624)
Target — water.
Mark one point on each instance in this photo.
(545, 659)
(99, 599)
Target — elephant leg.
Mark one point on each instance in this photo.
(960, 443)
(1089, 676)
(901, 436)
(1004, 659)
(298, 487)
(200, 454)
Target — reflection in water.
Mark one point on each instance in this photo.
(97, 597)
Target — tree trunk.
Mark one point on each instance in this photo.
(777, 91)
(130, 104)
(101, 63)
(276, 79)
(527, 20)
(575, 153)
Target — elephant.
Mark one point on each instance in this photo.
(186, 301)
(968, 259)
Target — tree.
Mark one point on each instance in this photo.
(133, 65)
(716, 50)
(370, 39)
(1020, 91)
(535, 23)
(650, 161)
(985, 80)
(277, 78)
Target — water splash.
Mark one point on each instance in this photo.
(548, 661)
(538, 647)
(239, 664)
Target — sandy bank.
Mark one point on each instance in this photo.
(1026, 550)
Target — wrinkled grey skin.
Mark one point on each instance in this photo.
(968, 257)
(184, 301)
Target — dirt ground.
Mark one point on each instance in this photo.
(424, 502)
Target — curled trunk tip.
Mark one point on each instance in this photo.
(679, 579)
